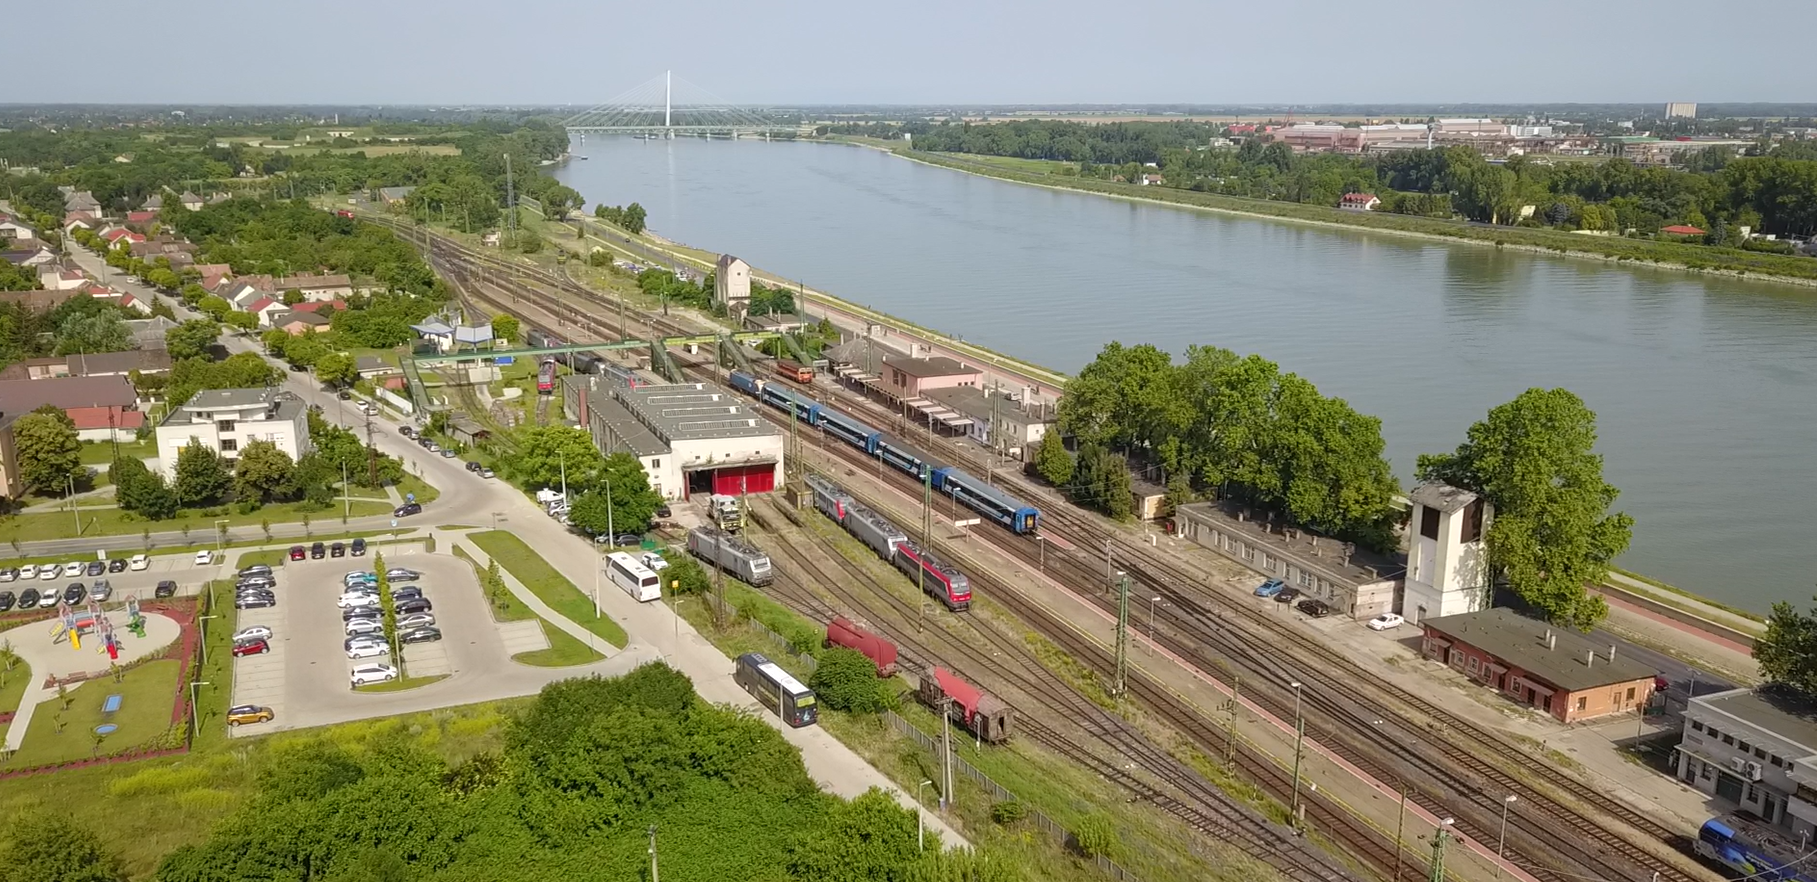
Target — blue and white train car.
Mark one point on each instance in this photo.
(783, 398)
(902, 457)
(849, 430)
(1721, 843)
(986, 500)
(746, 383)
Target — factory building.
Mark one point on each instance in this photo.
(690, 437)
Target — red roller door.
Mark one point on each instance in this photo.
(744, 479)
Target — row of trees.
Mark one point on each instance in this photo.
(315, 351)
(588, 773)
(630, 218)
(265, 236)
(609, 493)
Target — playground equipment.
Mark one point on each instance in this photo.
(69, 626)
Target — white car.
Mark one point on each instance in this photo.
(366, 675)
(29, 571)
(357, 627)
(74, 569)
(1386, 621)
(654, 562)
(8, 574)
(372, 649)
(138, 562)
(256, 632)
(347, 600)
(415, 620)
(205, 558)
(49, 573)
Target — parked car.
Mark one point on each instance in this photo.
(117, 565)
(420, 635)
(408, 509)
(406, 431)
(433, 447)
(255, 632)
(369, 649)
(1287, 595)
(447, 453)
(251, 647)
(351, 600)
(357, 627)
(627, 539)
(298, 552)
(50, 573)
(139, 562)
(1317, 609)
(486, 473)
(1270, 588)
(74, 569)
(357, 578)
(344, 395)
(473, 466)
(74, 592)
(29, 571)
(255, 570)
(254, 601)
(205, 558)
(358, 612)
(654, 562)
(9, 574)
(318, 551)
(95, 568)
(359, 548)
(338, 549)
(413, 605)
(7, 600)
(1386, 622)
(48, 599)
(366, 675)
(28, 599)
(249, 713)
(662, 511)
(100, 590)
(414, 621)
(406, 592)
(400, 574)
(166, 588)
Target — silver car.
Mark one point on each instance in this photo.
(415, 620)
(365, 627)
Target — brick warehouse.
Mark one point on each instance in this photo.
(1557, 670)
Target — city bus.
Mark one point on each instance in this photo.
(637, 579)
(776, 689)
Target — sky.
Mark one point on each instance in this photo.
(936, 51)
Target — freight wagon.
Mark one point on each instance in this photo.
(841, 632)
(975, 710)
(790, 370)
(740, 558)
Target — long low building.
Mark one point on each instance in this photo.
(1354, 581)
(691, 437)
(1556, 670)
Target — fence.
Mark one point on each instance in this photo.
(931, 744)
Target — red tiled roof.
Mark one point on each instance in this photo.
(1681, 230)
(105, 417)
(139, 217)
(1358, 197)
(259, 304)
(315, 305)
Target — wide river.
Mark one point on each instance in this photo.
(1706, 389)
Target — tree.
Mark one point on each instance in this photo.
(847, 680)
(337, 369)
(1787, 652)
(505, 327)
(48, 451)
(1101, 481)
(218, 308)
(1552, 533)
(1052, 462)
(17, 278)
(139, 490)
(192, 339)
(632, 502)
(263, 473)
(543, 451)
(244, 321)
(74, 856)
(685, 575)
(634, 218)
(202, 477)
(162, 279)
(93, 332)
(867, 838)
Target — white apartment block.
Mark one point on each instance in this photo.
(227, 420)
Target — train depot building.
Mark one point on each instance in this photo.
(1558, 670)
(691, 437)
(1755, 751)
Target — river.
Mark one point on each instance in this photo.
(1705, 388)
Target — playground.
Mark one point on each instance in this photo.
(78, 701)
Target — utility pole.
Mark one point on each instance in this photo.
(1400, 826)
(653, 875)
(1438, 850)
(1122, 634)
(510, 201)
(927, 542)
(372, 452)
(1299, 742)
(1230, 734)
(946, 750)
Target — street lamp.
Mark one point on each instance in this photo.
(1501, 841)
(1151, 623)
(1299, 741)
(203, 629)
(194, 726)
(920, 813)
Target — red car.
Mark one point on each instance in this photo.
(297, 552)
(251, 647)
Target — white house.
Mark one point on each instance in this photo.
(1359, 202)
(11, 228)
(1447, 559)
(227, 420)
(315, 287)
(732, 284)
(57, 278)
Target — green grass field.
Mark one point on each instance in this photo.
(564, 651)
(58, 734)
(550, 586)
(12, 686)
(100, 453)
(273, 557)
(114, 522)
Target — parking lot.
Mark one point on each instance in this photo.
(304, 678)
(179, 568)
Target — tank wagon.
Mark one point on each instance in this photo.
(735, 555)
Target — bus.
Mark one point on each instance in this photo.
(637, 579)
(777, 689)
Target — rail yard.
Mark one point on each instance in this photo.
(1547, 824)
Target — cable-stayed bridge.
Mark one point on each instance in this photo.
(667, 106)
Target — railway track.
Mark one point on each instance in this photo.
(1540, 823)
(1197, 803)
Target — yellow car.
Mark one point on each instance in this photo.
(249, 713)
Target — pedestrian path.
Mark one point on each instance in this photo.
(529, 598)
(47, 656)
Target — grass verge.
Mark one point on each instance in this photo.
(100, 453)
(425, 491)
(114, 522)
(505, 606)
(401, 684)
(1680, 592)
(271, 557)
(375, 538)
(215, 666)
(63, 730)
(564, 651)
(12, 686)
(549, 586)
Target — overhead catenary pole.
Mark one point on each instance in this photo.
(510, 201)
(1122, 634)
(946, 751)
(668, 95)
(1439, 836)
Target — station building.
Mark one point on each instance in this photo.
(1754, 750)
(1353, 581)
(1558, 670)
(690, 437)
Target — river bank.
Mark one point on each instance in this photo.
(1726, 263)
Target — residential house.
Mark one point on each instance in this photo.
(190, 201)
(296, 324)
(265, 307)
(372, 367)
(1359, 202)
(48, 367)
(149, 333)
(242, 289)
(1561, 671)
(1150, 180)
(1680, 230)
(154, 202)
(78, 221)
(11, 228)
(226, 420)
(117, 364)
(26, 252)
(905, 377)
(40, 300)
(163, 246)
(213, 274)
(732, 285)
(83, 203)
(114, 235)
(141, 219)
(122, 299)
(394, 195)
(10, 482)
(103, 408)
(60, 278)
(315, 287)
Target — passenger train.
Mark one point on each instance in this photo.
(962, 487)
(578, 362)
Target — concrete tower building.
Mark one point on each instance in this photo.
(1447, 560)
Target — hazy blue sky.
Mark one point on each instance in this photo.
(818, 51)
